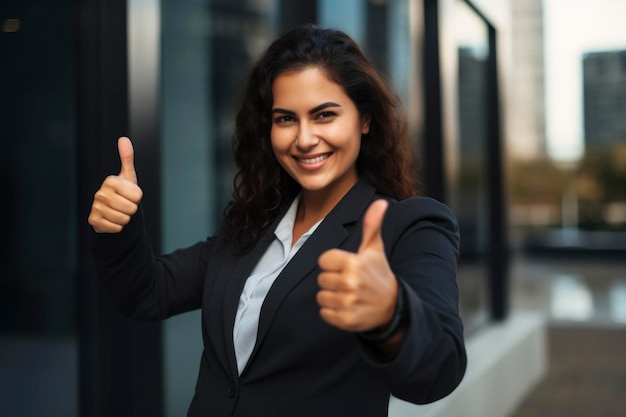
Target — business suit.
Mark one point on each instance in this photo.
(302, 366)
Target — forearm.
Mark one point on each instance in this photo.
(143, 285)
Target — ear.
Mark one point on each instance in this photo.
(365, 124)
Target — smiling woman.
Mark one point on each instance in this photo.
(321, 67)
(329, 278)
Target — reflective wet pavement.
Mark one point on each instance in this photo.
(583, 291)
(585, 304)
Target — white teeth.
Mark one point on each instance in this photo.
(314, 160)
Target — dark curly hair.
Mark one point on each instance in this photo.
(261, 185)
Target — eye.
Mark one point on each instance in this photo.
(326, 115)
(283, 119)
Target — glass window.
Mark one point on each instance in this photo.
(568, 200)
(464, 53)
(207, 48)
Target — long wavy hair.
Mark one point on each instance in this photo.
(261, 185)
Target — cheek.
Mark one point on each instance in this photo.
(279, 149)
(275, 144)
(278, 141)
(352, 140)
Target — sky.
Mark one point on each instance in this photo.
(573, 27)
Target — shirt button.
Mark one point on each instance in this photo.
(231, 391)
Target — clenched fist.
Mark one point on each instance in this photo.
(119, 195)
(358, 291)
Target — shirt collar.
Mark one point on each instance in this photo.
(284, 230)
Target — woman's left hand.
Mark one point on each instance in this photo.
(358, 291)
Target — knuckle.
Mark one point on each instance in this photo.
(351, 283)
(137, 193)
(353, 263)
(124, 220)
(93, 219)
(132, 210)
(347, 320)
(350, 300)
(321, 280)
(100, 195)
(320, 298)
(110, 181)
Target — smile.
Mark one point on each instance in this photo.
(315, 160)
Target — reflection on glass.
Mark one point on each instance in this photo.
(207, 47)
(617, 301)
(571, 299)
(464, 54)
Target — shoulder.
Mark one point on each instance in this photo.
(418, 209)
(424, 206)
(421, 221)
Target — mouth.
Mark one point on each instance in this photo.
(313, 160)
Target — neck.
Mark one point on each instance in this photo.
(315, 205)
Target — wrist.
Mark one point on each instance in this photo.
(385, 333)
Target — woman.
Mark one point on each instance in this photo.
(327, 288)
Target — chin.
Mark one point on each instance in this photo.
(313, 187)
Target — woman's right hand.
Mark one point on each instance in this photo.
(119, 195)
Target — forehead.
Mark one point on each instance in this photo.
(308, 86)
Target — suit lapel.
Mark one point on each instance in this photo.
(331, 233)
(235, 280)
(236, 271)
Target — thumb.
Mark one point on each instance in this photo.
(372, 223)
(127, 154)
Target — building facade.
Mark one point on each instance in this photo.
(77, 75)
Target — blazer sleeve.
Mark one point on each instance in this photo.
(146, 286)
(422, 241)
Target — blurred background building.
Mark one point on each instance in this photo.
(525, 98)
(516, 107)
(604, 98)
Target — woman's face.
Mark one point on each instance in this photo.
(316, 132)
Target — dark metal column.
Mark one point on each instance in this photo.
(120, 360)
(432, 140)
(499, 252)
(499, 248)
(294, 13)
(377, 34)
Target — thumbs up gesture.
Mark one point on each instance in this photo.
(119, 195)
(358, 291)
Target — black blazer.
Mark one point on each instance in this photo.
(302, 366)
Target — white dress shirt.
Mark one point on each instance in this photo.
(258, 284)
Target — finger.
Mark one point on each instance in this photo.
(335, 260)
(341, 319)
(102, 225)
(372, 225)
(336, 300)
(114, 201)
(127, 158)
(335, 281)
(114, 216)
(116, 188)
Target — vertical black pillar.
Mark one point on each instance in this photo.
(293, 13)
(377, 34)
(499, 249)
(120, 360)
(432, 140)
(498, 279)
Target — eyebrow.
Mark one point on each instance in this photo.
(312, 111)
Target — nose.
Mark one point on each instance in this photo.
(307, 137)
